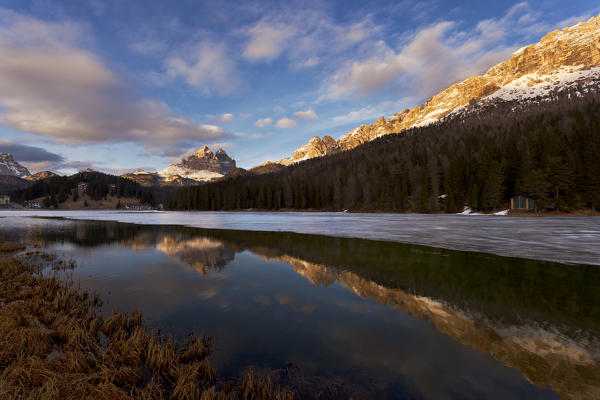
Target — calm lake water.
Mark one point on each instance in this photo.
(380, 319)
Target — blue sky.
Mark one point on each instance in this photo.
(116, 85)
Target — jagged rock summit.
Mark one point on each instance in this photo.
(8, 166)
(205, 160)
(562, 59)
(202, 166)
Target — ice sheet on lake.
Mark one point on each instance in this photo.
(563, 239)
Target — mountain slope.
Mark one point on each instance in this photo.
(8, 166)
(561, 60)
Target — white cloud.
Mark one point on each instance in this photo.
(286, 123)
(225, 118)
(51, 86)
(434, 58)
(307, 114)
(267, 41)
(248, 135)
(307, 37)
(261, 123)
(308, 63)
(208, 68)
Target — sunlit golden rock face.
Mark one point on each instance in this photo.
(562, 58)
(41, 175)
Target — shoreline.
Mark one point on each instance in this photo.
(56, 345)
(509, 213)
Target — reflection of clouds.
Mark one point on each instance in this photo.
(260, 298)
(208, 293)
(305, 308)
(222, 304)
(285, 298)
(288, 299)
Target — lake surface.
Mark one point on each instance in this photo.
(379, 319)
(562, 239)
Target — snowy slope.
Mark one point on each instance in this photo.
(8, 166)
(188, 173)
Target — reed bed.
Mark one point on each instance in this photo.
(54, 344)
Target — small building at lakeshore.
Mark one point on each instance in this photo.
(32, 204)
(4, 200)
(522, 202)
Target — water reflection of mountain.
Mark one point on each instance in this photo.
(541, 318)
(543, 355)
(201, 254)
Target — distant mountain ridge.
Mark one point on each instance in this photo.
(561, 60)
(41, 175)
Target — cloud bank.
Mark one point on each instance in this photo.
(51, 86)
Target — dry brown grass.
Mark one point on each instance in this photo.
(54, 344)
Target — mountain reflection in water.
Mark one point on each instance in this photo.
(540, 318)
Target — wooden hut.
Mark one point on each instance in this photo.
(522, 202)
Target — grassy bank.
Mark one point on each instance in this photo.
(55, 345)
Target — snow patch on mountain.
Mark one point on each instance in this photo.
(8, 166)
(535, 85)
(202, 175)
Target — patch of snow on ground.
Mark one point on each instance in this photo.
(503, 212)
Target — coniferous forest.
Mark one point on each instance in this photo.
(58, 189)
(548, 150)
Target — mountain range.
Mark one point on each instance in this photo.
(562, 59)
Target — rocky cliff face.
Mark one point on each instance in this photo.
(205, 160)
(562, 59)
(8, 166)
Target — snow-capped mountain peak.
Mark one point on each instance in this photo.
(202, 166)
(8, 166)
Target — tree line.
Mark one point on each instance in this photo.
(548, 150)
(58, 189)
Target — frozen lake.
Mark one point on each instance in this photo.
(562, 239)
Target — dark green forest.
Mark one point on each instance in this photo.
(59, 189)
(548, 150)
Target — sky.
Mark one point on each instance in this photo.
(116, 85)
